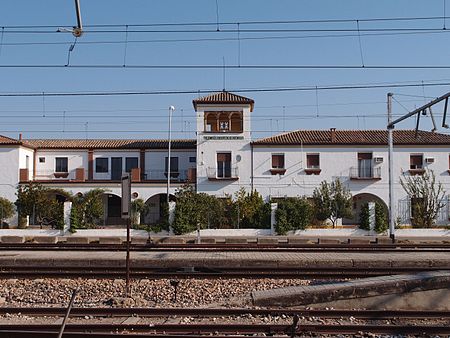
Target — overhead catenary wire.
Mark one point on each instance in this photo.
(241, 38)
(208, 91)
(251, 67)
(252, 22)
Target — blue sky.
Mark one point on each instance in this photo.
(145, 116)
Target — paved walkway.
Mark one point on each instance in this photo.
(226, 259)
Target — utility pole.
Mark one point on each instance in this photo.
(391, 167)
(171, 109)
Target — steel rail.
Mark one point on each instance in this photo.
(214, 312)
(306, 272)
(234, 328)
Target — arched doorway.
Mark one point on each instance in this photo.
(358, 201)
(156, 210)
(113, 210)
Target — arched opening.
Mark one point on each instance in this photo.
(113, 210)
(157, 209)
(211, 122)
(358, 201)
(236, 122)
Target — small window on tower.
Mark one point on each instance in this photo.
(41, 159)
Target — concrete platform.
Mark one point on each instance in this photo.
(427, 290)
(227, 259)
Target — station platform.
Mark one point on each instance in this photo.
(227, 259)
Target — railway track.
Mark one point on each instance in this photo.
(282, 247)
(217, 312)
(113, 272)
(173, 330)
(202, 330)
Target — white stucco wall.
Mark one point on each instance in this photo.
(9, 171)
(207, 150)
(155, 161)
(109, 154)
(335, 162)
(75, 159)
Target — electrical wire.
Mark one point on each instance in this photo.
(253, 90)
(225, 23)
(240, 38)
(252, 67)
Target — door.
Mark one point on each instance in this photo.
(364, 165)
(223, 165)
(116, 168)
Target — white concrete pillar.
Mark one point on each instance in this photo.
(67, 212)
(273, 221)
(372, 217)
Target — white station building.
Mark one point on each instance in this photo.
(223, 158)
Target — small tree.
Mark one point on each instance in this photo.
(293, 213)
(89, 209)
(6, 210)
(364, 217)
(249, 210)
(426, 198)
(138, 209)
(332, 201)
(381, 223)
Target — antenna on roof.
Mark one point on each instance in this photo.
(223, 63)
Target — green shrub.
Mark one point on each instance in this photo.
(87, 210)
(250, 211)
(293, 213)
(381, 219)
(6, 209)
(364, 217)
(381, 223)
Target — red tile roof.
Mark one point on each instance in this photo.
(8, 141)
(223, 97)
(354, 137)
(109, 144)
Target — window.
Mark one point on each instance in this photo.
(277, 164)
(312, 161)
(130, 163)
(416, 162)
(192, 159)
(41, 159)
(278, 161)
(101, 165)
(61, 165)
(173, 167)
(223, 165)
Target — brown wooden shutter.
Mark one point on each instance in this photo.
(277, 161)
(223, 157)
(364, 156)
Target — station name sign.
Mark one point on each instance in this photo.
(224, 137)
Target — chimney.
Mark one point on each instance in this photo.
(20, 137)
(333, 134)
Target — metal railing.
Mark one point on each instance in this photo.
(365, 172)
(161, 175)
(52, 175)
(222, 173)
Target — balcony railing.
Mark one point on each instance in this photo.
(365, 173)
(230, 173)
(51, 175)
(161, 175)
